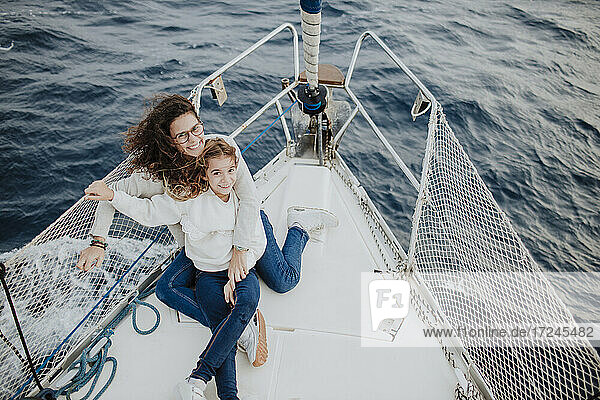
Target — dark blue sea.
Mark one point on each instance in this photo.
(518, 81)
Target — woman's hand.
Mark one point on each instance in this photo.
(229, 291)
(238, 268)
(89, 257)
(98, 190)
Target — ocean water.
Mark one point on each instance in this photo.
(517, 80)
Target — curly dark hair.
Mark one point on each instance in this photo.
(154, 152)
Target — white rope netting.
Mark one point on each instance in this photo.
(481, 275)
(52, 296)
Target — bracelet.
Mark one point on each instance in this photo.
(239, 248)
(98, 243)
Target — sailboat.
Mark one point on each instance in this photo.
(334, 336)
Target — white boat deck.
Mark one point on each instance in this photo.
(314, 332)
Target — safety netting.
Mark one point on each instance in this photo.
(482, 277)
(52, 297)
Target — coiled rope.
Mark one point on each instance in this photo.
(97, 361)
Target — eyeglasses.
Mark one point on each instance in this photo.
(197, 130)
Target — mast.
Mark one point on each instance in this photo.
(312, 96)
(310, 11)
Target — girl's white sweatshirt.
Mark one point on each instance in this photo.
(140, 185)
(207, 223)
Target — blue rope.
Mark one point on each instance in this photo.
(268, 127)
(96, 366)
(312, 106)
(137, 303)
(88, 314)
(133, 307)
(97, 362)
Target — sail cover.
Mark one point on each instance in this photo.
(310, 11)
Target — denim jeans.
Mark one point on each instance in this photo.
(226, 323)
(278, 268)
(176, 288)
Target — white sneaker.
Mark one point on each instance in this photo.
(190, 389)
(254, 340)
(312, 220)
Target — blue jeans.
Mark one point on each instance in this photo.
(176, 288)
(278, 268)
(226, 323)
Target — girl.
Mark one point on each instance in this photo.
(208, 219)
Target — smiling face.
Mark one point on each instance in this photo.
(188, 123)
(221, 174)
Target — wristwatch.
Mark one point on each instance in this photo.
(239, 248)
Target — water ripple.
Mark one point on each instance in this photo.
(518, 83)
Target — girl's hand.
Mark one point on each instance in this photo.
(98, 190)
(90, 257)
(229, 291)
(237, 266)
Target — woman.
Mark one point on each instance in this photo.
(164, 146)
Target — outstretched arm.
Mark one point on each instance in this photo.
(135, 185)
(160, 209)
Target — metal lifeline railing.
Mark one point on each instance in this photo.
(196, 93)
(463, 360)
(359, 107)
